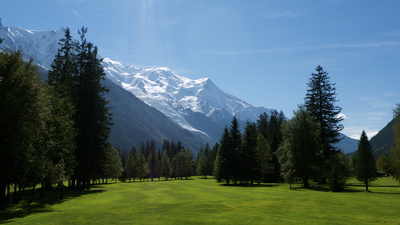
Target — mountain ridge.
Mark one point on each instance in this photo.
(198, 106)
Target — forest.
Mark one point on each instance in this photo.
(54, 135)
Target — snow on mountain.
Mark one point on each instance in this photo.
(40, 45)
(178, 96)
(174, 95)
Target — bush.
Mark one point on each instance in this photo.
(337, 172)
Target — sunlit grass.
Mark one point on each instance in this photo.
(201, 201)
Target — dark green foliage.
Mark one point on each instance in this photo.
(365, 168)
(302, 145)
(141, 166)
(264, 156)
(383, 164)
(228, 154)
(23, 113)
(165, 167)
(287, 162)
(182, 164)
(28, 120)
(337, 172)
(76, 76)
(247, 157)
(269, 126)
(131, 168)
(394, 157)
(235, 145)
(320, 102)
(112, 165)
(152, 162)
(205, 162)
(382, 142)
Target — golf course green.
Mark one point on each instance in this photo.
(204, 201)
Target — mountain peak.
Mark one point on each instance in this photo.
(1, 25)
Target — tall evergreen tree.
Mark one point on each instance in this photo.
(365, 163)
(320, 102)
(222, 165)
(248, 162)
(76, 75)
(270, 128)
(235, 145)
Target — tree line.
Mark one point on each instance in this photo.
(55, 130)
(302, 148)
(174, 161)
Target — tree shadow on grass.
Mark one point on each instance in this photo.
(40, 204)
(250, 185)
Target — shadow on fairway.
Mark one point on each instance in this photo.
(249, 185)
(40, 204)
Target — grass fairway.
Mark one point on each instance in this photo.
(200, 201)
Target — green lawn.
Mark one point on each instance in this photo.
(200, 201)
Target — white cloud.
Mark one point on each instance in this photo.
(370, 134)
(342, 115)
(79, 16)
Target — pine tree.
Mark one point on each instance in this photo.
(320, 102)
(365, 163)
(78, 70)
(270, 128)
(301, 144)
(394, 156)
(235, 145)
(222, 165)
(248, 155)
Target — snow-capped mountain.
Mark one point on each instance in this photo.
(182, 99)
(178, 96)
(198, 106)
(40, 45)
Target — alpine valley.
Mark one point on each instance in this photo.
(151, 104)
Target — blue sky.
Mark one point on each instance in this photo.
(262, 51)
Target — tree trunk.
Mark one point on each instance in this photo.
(15, 197)
(306, 184)
(33, 193)
(60, 186)
(3, 187)
(366, 185)
(8, 193)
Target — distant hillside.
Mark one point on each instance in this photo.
(347, 144)
(382, 142)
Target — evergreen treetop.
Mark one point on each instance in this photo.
(320, 102)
